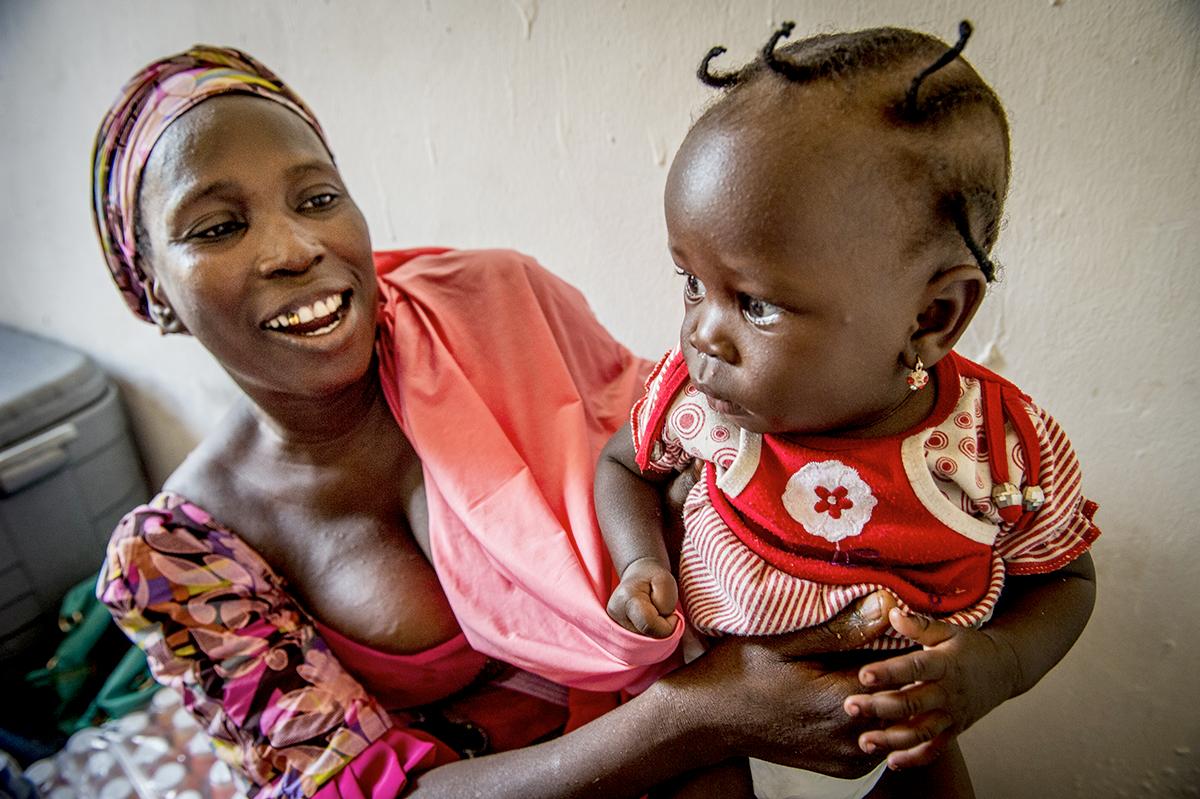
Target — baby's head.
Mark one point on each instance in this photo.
(833, 218)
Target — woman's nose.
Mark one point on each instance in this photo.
(289, 246)
(710, 336)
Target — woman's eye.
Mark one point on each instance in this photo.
(317, 201)
(218, 231)
(693, 289)
(760, 312)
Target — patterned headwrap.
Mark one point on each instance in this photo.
(152, 100)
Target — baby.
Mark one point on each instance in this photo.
(831, 216)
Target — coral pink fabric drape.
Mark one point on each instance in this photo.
(508, 387)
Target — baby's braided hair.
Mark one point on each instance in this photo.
(967, 194)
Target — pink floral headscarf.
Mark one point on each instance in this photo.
(156, 96)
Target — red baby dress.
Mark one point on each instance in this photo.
(784, 531)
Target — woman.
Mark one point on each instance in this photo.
(448, 410)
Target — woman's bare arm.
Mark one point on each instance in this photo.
(746, 696)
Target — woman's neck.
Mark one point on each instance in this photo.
(321, 427)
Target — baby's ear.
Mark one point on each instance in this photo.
(951, 299)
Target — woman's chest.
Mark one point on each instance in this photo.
(363, 575)
(344, 537)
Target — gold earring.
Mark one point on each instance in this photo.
(918, 378)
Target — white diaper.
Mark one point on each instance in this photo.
(773, 781)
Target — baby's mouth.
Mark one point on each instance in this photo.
(317, 319)
(725, 406)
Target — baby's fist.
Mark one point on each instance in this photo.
(645, 600)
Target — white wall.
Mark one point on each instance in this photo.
(548, 126)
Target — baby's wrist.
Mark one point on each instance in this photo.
(644, 562)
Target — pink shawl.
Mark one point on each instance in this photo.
(508, 387)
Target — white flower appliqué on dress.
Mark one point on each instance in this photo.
(829, 499)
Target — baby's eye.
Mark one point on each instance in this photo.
(318, 201)
(760, 312)
(693, 289)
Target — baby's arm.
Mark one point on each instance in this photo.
(959, 675)
(629, 508)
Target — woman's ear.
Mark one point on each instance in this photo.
(161, 312)
(951, 300)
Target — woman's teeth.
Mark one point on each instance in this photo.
(319, 310)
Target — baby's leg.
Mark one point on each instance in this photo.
(729, 779)
(944, 778)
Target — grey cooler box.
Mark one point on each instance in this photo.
(68, 472)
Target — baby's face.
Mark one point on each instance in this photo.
(800, 290)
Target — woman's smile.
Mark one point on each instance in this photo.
(326, 327)
(316, 319)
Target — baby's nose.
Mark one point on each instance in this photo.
(710, 337)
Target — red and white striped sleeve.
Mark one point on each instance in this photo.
(1063, 529)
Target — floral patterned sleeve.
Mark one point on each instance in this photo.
(657, 450)
(218, 625)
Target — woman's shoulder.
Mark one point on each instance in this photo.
(207, 477)
(482, 270)
(182, 525)
(194, 503)
(424, 259)
(505, 288)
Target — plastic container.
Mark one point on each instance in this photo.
(68, 472)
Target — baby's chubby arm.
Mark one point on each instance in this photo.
(629, 509)
(959, 675)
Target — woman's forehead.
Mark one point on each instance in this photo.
(229, 137)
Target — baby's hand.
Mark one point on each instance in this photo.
(645, 600)
(932, 694)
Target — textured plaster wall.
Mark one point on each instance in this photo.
(548, 126)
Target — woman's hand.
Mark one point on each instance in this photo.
(769, 697)
(932, 694)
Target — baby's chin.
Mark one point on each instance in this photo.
(753, 423)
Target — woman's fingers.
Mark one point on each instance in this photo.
(857, 625)
(762, 701)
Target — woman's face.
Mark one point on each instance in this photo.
(250, 236)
